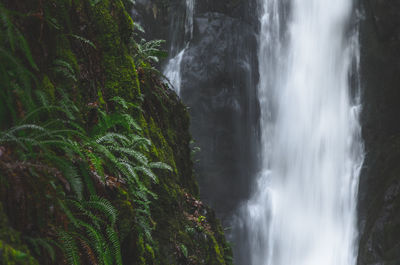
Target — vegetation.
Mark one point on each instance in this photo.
(54, 138)
(82, 152)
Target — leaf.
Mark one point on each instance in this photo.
(147, 172)
(94, 2)
(120, 101)
(141, 158)
(139, 27)
(184, 250)
(84, 40)
(103, 206)
(160, 165)
(116, 248)
(69, 247)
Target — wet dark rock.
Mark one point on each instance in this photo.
(219, 81)
(220, 76)
(379, 204)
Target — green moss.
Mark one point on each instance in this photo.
(121, 77)
(100, 98)
(12, 256)
(150, 254)
(48, 88)
(163, 151)
(217, 250)
(12, 251)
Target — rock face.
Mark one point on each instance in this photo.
(220, 76)
(219, 84)
(380, 181)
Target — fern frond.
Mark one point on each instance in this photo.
(96, 241)
(138, 27)
(140, 142)
(138, 156)
(147, 172)
(160, 165)
(116, 248)
(70, 173)
(84, 40)
(81, 210)
(69, 214)
(26, 127)
(112, 138)
(121, 102)
(104, 206)
(69, 247)
(46, 244)
(128, 171)
(65, 68)
(131, 122)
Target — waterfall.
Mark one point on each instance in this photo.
(173, 68)
(303, 209)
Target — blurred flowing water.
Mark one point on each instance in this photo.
(173, 68)
(303, 208)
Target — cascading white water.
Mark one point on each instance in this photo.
(303, 211)
(173, 68)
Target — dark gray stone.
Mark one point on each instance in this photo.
(219, 84)
(379, 200)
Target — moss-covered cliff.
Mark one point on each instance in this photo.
(80, 70)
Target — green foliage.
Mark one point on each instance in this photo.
(147, 53)
(15, 77)
(40, 244)
(92, 228)
(75, 157)
(184, 250)
(94, 2)
(112, 147)
(83, 40)
(64, 68)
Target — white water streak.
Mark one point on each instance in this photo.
(173, 69)
(303, 211)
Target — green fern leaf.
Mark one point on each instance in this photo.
(147, 172)
(84, 40)
(160, 165)
(70, 248)
(104, 206)
(113, 238)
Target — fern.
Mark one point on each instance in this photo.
(64, 68)
(112, 138)
(84, 40)
(160, 165)
(56, 136)
(149, 51)
(94, 2)
(42, 243)
(96, 233)
(15, 37)
(138, 156)
(70, 248)
(146, 171)
(116, 247)
(104, 206)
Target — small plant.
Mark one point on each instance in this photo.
(201, 219)
(147, 53)
(184, 250)
(92, 229)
